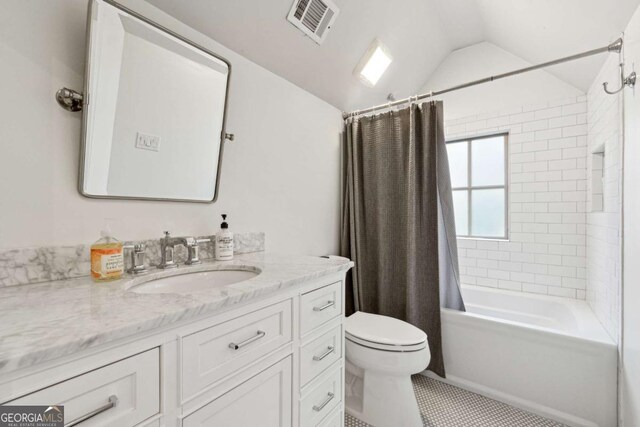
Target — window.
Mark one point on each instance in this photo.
(479, 181)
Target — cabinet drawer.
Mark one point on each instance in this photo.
(334, 420)
(135, 383)
(264, 400)
(320, 306)
(319, 354)
(216, 352)
(322, 399)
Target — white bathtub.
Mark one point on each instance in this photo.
(547, 355)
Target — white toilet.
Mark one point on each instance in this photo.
(382, 354)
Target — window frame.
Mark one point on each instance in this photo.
(469, 188)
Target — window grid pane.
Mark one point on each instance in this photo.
(458, 154)
(487, 161)
(479, 186)
(487, 213)
(461, 211)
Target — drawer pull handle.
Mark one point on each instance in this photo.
(324, 307)
(320, 407)
(325, 354)
(259, 334)
(113, 402)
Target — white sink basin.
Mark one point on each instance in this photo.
(193, 282)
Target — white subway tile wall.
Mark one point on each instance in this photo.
(603, 225)
(546, 250)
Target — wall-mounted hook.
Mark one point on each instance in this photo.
(229, 136)
(630, 81)
(69, 99)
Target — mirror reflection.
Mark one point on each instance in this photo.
(154, 120)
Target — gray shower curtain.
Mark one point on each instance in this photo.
(398, 223)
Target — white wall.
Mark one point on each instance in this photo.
(483, 60)
(545, 253)
(604, 266)
(630, 381)
(281, 175)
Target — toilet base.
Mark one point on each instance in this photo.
(382, 400)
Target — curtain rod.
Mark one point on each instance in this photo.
(616, 46)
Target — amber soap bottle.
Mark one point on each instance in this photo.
(107, 262)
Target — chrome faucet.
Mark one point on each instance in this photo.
(138, 252)
(193, 250)
(167, 249)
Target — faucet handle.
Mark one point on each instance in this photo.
(137, 248)
(193, 251)
(137, 258)
(167, 234)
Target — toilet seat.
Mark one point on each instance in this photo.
(384, 333)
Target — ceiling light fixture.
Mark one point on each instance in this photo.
(373, 64)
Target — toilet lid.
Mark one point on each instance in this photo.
(383, 330)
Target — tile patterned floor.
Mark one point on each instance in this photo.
(443, 405)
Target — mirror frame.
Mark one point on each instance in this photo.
(87, 97)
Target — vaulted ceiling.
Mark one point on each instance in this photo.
(418, 33)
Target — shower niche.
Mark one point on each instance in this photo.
(597, 180)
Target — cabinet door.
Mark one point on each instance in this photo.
(264, 400)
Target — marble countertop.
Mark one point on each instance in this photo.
(44, 321)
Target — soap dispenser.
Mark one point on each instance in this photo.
(107, 262)
(224, 241)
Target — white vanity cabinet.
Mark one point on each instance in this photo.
(273, 361)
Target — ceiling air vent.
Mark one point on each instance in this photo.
(313, 17)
